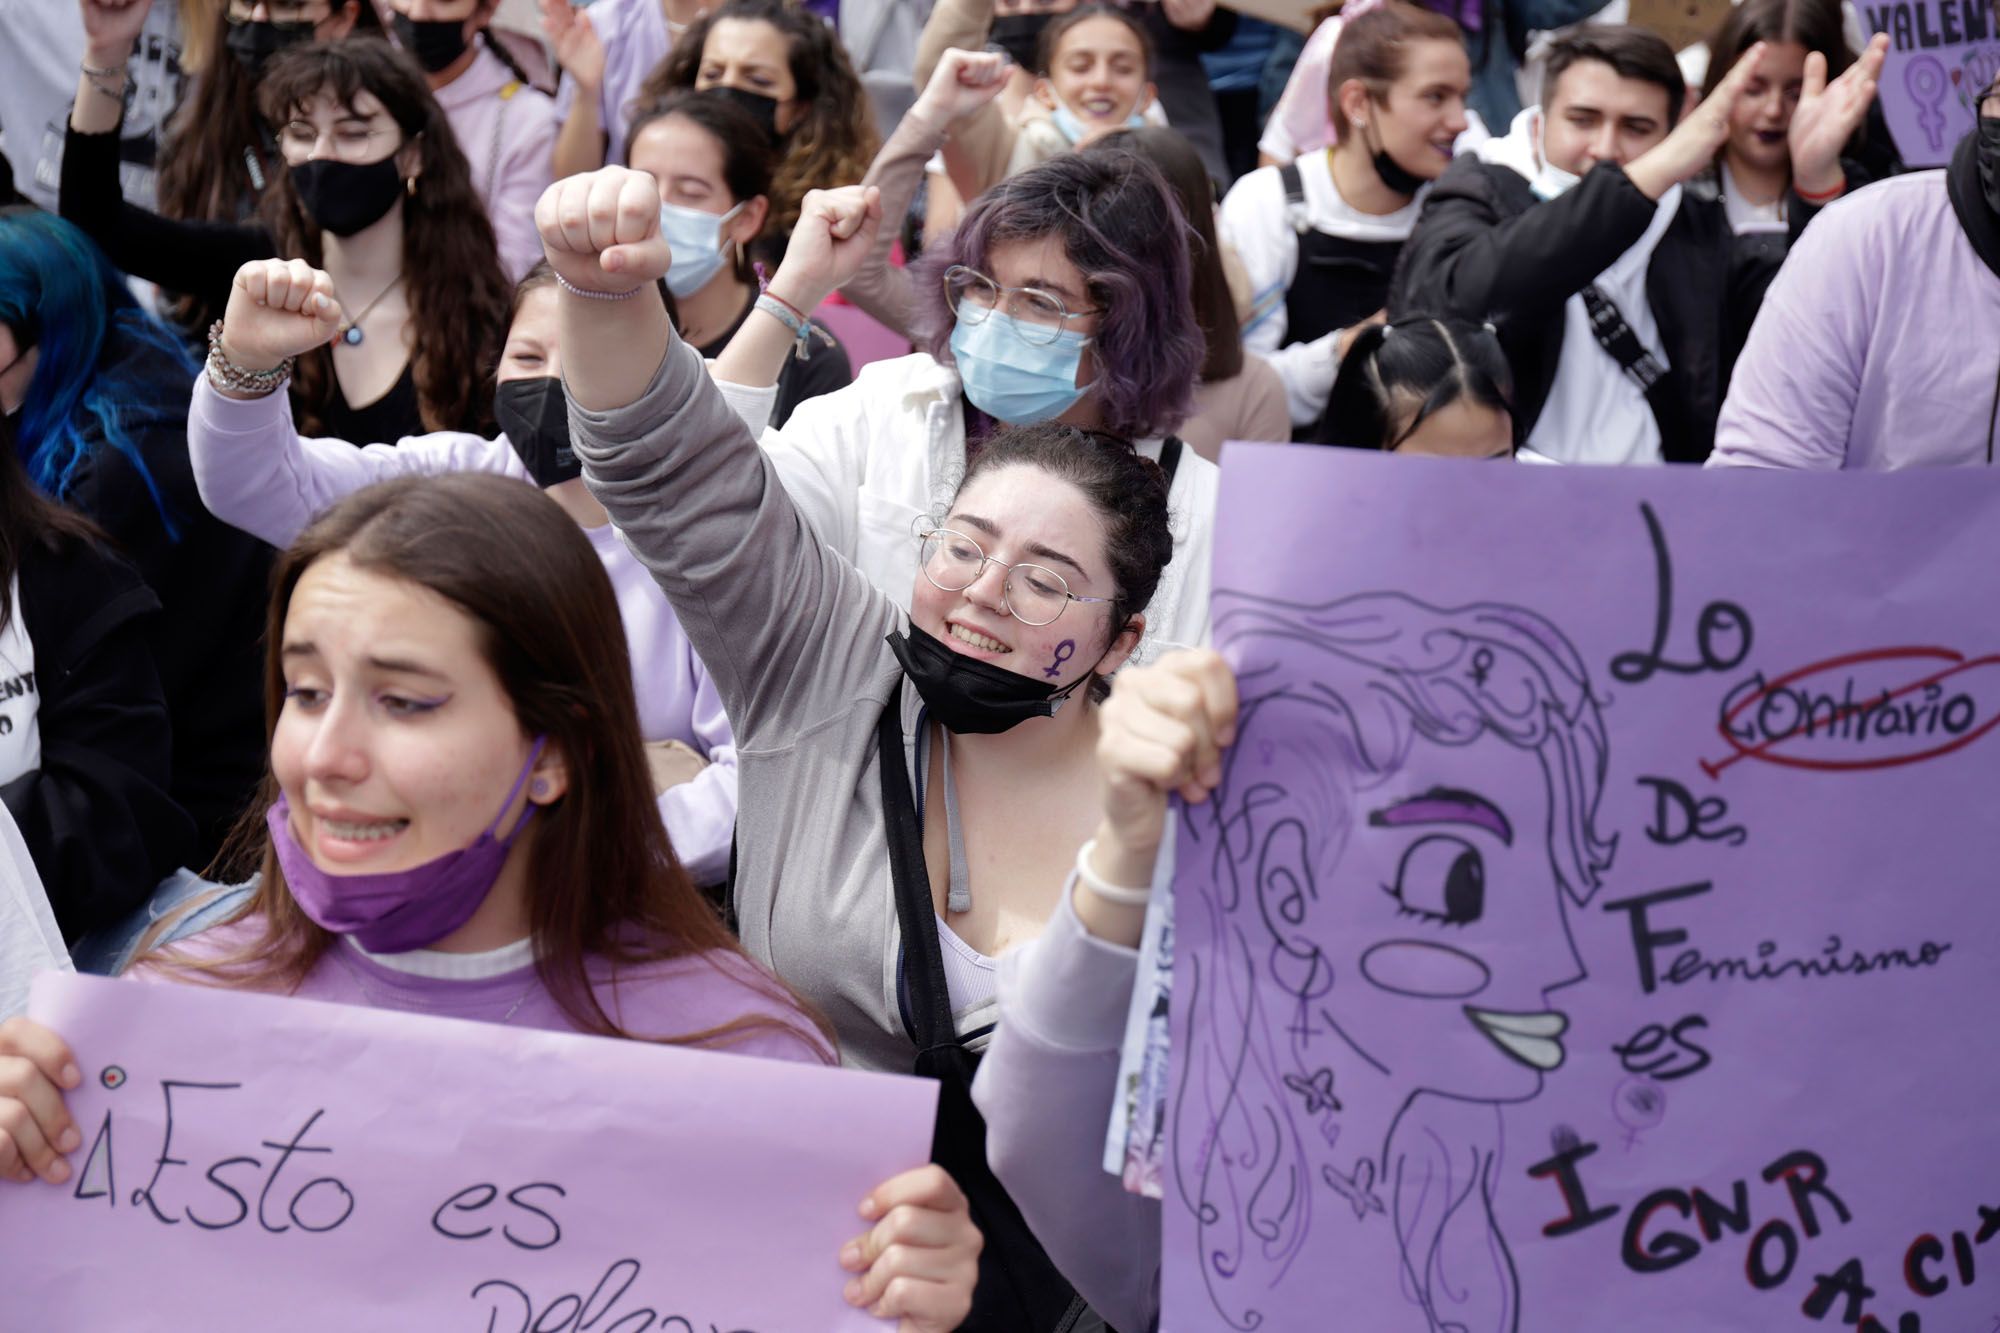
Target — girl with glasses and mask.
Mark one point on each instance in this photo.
(256, 472)
(458, 822)
(784, 65)
(376, 192)
(96, 391)
(505, 125)
(1319, 237)
(714, 165)
(217, 155)
(913, 782)
(1063, 296)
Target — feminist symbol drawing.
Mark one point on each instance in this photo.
(1064, 651)
(1482, 667)
(1925, 79)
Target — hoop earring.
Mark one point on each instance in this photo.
(410, 185)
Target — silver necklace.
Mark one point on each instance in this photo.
(350, 333)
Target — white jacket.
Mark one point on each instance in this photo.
(864, 462)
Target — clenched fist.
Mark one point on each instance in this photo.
(602, 230)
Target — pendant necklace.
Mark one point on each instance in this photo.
(351, 333)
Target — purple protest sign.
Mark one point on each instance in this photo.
(1596, 926)
(1942, 55)
(252, 1161)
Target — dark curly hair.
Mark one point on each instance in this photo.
(835, 141)
(458, 293)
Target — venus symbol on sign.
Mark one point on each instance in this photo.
(1925, 79)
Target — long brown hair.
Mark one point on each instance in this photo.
(1214, 307)
(835, 141)
(457, 291)
(604, 884)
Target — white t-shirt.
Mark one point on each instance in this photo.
(43, 45)
(1746, 217)
(1258, 224)
(30, 940)
(1595, 412)
(20, 699)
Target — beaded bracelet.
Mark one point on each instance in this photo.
(1115, 894)
(590, 295)
(227, 375)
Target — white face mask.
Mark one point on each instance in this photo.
(1550, 180)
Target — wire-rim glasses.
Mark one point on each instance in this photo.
(1039, 317)
(1033, 594)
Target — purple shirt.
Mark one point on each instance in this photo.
(507, 132)
(254, 472)
(1875, 346)
(635, 39)
(658, 1000)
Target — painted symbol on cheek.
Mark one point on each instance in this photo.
(1482, 667)
(1064, 651)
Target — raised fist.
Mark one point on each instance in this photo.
(278, 308)
(602, 230)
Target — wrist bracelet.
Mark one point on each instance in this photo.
(97, 79)
(803, 329)
(1822, 198)
(226, 374)
(1115, 894)
(589, 294)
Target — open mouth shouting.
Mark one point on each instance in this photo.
(1533, 1039)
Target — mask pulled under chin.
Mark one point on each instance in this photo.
(1549, 180)
(970, 697)
(399, 910)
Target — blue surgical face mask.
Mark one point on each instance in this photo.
(1012, 381)
(695, 238)
(1071, 127)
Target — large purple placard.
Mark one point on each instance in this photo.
(1598, 926)
(1942, 55)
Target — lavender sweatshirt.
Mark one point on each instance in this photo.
(650, 1000)
(255, 472)
(507, 131)
(1046, 1088)
(1877, 344)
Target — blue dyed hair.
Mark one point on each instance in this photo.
(89, 391)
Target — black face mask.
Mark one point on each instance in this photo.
(535, 415)
(762, 109)
(971, 697)
(1394, 174)
(253, 44)
(342, 197)
(1020, 36)
(436, 43)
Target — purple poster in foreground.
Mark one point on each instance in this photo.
(325, 1167)
(1598, 926)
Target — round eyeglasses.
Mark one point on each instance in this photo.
(1039, 317)
(1032, 594)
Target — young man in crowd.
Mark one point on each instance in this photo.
(1616, 293)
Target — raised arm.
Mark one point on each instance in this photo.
(965, 82)
(251, 466)
(780, 622)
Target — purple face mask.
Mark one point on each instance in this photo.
(399, 910)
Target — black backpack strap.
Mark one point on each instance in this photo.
(1170, 457)
(1657, 382)
(1295, 197)
(929, 997)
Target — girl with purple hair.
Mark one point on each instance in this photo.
(1063, 296)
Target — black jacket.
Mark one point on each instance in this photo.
(96, 814)
(1486, 248)
(213, 582)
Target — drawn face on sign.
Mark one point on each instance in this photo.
(1391, 915)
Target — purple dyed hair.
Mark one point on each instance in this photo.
(1123, 229)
